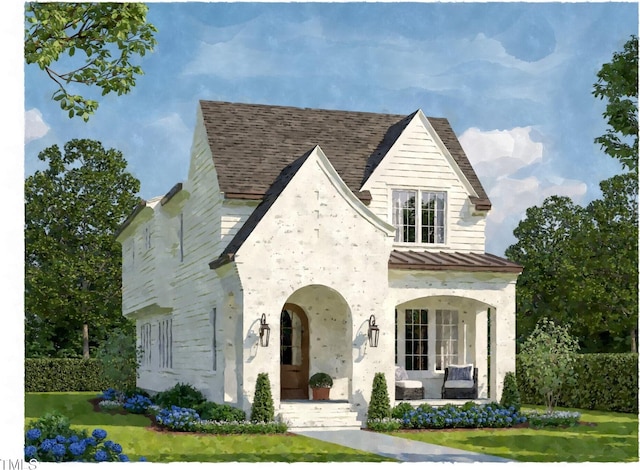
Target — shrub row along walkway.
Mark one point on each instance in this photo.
(404, 450)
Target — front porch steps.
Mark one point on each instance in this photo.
(318, 414)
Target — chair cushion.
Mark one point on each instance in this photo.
(458, 384)
(464, 372)
(409, 383)
(401, 373)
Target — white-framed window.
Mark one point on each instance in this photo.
(446, 338)
(426, 225)
(145, 344)
(426, 339)
(416, 339)
(147, 237)
(181, 237)
(212, 321)
(165, 344)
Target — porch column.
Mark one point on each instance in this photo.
(480, 351)
(503, 347)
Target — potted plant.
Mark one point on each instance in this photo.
(320, 384)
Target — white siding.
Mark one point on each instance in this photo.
(195, 286)
(234, 215)
(417, 162)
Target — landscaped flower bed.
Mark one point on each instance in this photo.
(228, 420)
(52, 440)
(540, 419)
(470, 415)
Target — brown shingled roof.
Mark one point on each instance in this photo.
(443, 261)
(251, 144)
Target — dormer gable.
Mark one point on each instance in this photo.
(402, 134)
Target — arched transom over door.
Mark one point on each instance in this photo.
(294, 353)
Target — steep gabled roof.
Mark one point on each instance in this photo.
(274, 192)
(251, 144)
(259, 212)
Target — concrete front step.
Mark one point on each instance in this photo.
(314, 414)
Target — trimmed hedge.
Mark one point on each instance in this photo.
(605, 382)
(63, 375)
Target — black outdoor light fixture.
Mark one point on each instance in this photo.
(374, 332)
(265, 331)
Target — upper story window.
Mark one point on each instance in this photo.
(147, 237)
(181, 236)
(425, 225)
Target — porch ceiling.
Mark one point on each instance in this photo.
(443, 261)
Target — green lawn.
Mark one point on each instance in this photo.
(613, 439)
(130, 432)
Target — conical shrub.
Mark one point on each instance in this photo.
(262, 407)
(379, 407)
(510, 392)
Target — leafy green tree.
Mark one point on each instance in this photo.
(547, 359)
(618, 85)
(72, 261)
(581, 264)
(120, 358)
(96, 43)
(544, 248)
(607, 254)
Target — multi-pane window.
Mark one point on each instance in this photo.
(181, 236)
(145, 344)
(426, 225)
(147, 237)
(416, 340)
(446, 338)
(290, 338)
(212, 321)
(433, 216)
(426, 339)
(165, 344)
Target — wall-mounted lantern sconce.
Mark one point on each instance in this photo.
(374, 332)
(265, 331)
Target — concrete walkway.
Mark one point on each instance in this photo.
(404, 450)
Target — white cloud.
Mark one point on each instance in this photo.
(497, 157)
(34, 126)
(511, 149)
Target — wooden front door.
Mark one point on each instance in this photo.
(294, 353)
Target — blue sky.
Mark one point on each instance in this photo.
(514, 80)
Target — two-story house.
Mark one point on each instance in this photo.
(325, 225)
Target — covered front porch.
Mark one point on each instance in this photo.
(435, 332)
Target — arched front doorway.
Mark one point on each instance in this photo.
(294, 353)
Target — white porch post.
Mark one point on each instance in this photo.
(503, 344)
(480, 351)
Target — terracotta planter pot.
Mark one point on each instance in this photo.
(320, 393)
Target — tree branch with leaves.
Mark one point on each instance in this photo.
(97, 44)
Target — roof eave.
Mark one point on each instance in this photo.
(446, 267)
(222, 260)
(139, 208)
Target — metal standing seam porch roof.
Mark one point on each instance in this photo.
(445, 261)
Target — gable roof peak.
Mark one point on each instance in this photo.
(252, 143)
